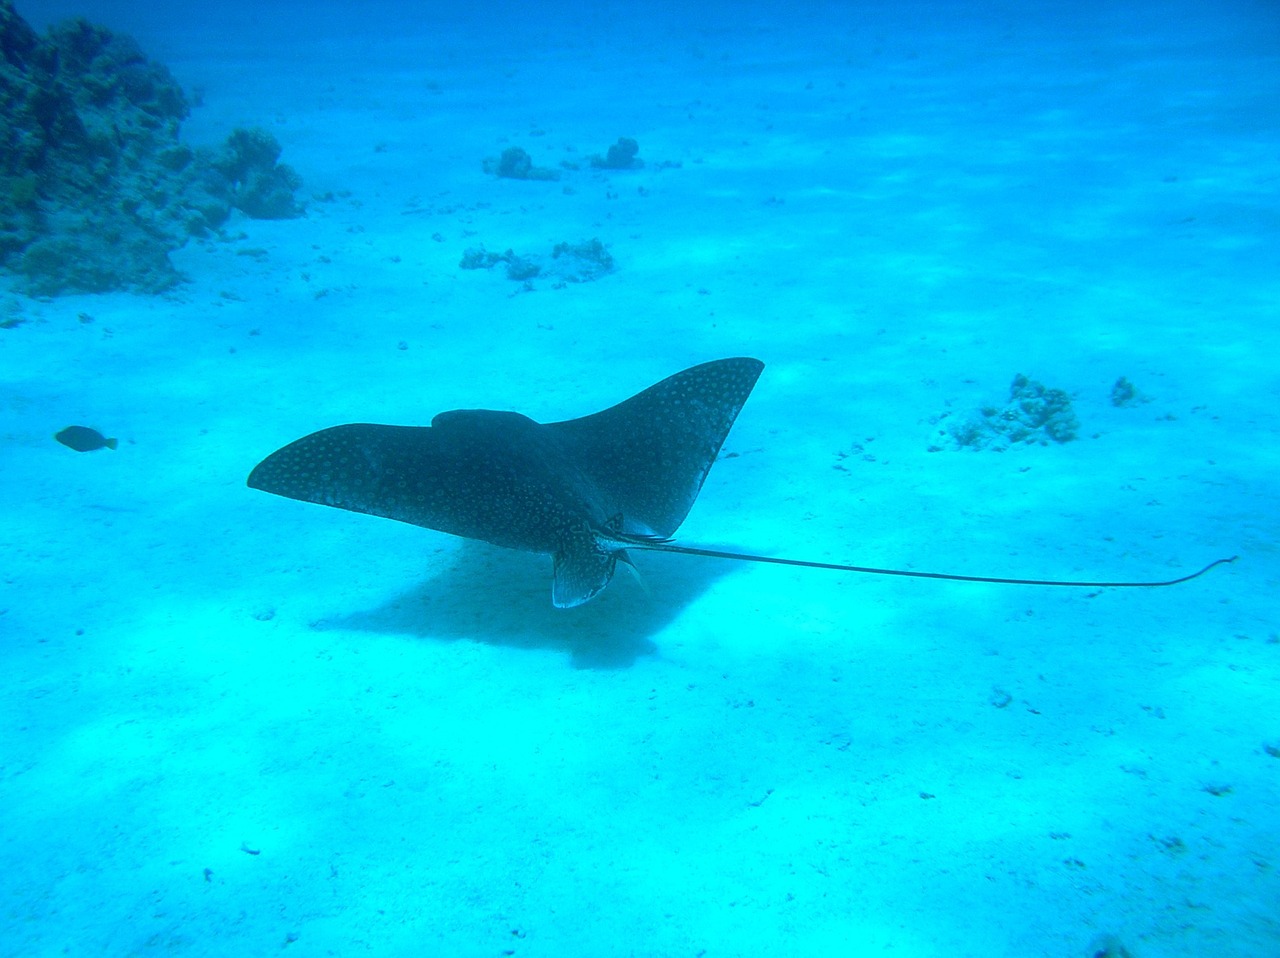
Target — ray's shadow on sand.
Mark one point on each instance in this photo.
(500, 597)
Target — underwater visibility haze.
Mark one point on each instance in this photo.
(1008, 275)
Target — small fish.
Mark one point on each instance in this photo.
(84, 439)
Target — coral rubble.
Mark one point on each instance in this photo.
(1034, 414)
(568, 263)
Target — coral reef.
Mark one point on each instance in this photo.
(95, 188)
(1034, 414)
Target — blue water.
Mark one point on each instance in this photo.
(236, 724)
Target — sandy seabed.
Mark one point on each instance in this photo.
(235, 724)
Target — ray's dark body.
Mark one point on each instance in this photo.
(575, 489)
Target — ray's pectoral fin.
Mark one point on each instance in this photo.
(582, 570)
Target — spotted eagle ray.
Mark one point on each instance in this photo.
(583, 491)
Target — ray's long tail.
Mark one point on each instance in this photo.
(661, 545)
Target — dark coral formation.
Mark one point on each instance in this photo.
(95, 188)
(260, 186)
(620, 156)
(1034, 414)
(568, 263)
(520, 268)
(516, 164)
(1125, 393)
(581, 262)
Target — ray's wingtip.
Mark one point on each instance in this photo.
(254, 479)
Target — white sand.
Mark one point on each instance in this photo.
(234, 723)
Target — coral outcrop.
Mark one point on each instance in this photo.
(515, 163)
(1034, 414)
(620, 156)
(568, 263)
